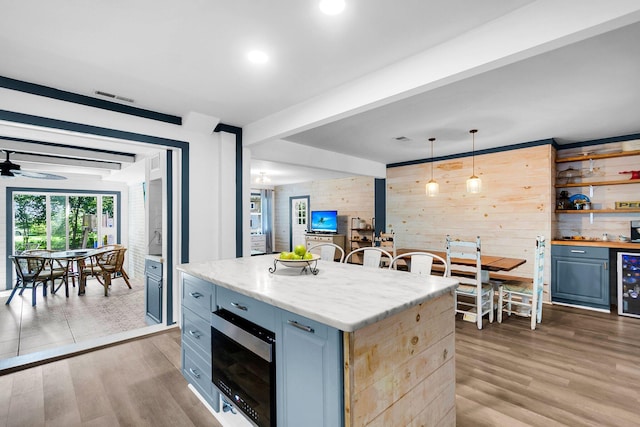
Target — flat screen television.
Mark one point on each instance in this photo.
(324, 221)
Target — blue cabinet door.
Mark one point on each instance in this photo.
(580, 276)
(309, 373)
(153, 303)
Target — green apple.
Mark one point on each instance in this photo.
(300, 250)
(308, 255)
(286, 255)
(296, 257)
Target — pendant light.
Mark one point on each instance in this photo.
(432, 188)
(474, 184)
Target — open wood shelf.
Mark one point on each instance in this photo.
(597, 156)
(598, 183)
(586, 211)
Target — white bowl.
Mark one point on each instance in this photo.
(299, 263)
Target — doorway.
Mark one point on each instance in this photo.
(298, 218)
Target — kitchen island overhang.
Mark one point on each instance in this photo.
(397, 332)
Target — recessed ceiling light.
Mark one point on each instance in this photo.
(257, 57)
(332, 7)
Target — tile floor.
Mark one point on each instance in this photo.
(57, 320)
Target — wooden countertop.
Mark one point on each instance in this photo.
(598, 243)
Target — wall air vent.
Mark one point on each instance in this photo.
(112, 96)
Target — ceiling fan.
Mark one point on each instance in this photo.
(8, 169)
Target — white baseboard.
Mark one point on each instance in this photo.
(584, 307)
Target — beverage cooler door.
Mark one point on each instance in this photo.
(629, 284)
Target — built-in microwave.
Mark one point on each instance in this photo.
(243, 366)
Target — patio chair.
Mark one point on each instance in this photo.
(29, 274)
(110, 265)
(56, 269)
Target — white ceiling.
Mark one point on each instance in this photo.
(518, 70)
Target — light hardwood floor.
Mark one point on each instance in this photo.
(579, 368)
(134, 384)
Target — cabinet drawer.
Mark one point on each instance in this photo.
(198, 295)
(300, 323)
(319, 239)
(196, 331)
(152, 268)
(197, 372)
(580, 251)
(247, 307)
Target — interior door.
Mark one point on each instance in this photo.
(298, 217)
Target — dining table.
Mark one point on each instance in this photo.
(489, 263)
(73, 256)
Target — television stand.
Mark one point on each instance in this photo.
(315, 238)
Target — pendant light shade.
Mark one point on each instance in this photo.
(432, 188)
(474, 184)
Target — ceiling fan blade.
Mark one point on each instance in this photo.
(37, 175)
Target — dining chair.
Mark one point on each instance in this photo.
(525, 298)
(420, 262)
(87, 267)
(327, 251)
(60, 269)
(56, 269)
(110, 265)
(371, 256)
(28, 275)
(473, 298)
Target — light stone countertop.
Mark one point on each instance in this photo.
(344, 296)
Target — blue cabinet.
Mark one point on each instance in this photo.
(198, 299)
(309, 387)
(153, 290)
(580, 276)
(309, 372)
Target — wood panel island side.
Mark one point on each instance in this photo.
(353, 346)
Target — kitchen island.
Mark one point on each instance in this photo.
(385, 338)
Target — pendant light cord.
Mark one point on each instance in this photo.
(432, 140)
(473, 151)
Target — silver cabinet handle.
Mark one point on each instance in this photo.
(195, 334)
(240, 306)
(194, 373)
(575, 251)
(196, 295)
(299, 326)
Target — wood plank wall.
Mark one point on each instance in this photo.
(351, 197)
(515, 205)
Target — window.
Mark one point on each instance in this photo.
(63, 221)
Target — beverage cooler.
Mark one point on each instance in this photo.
(629, 284)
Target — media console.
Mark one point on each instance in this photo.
(311, 239)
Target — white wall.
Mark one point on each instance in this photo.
(206, 160)
(137, 244)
